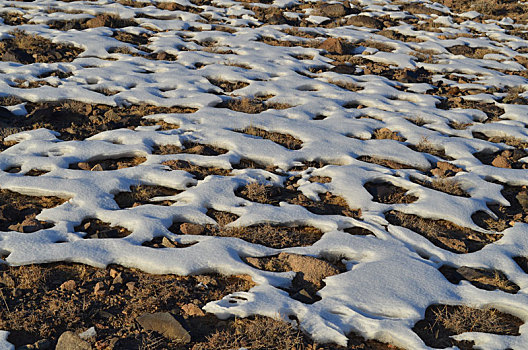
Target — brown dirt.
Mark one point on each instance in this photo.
(442, 233)
(197, 171)
(228, 86)
(492, 111)
(385, 192)
(142, 194)
(108, 164)
(384, 162)
(443, 184)
(285, 140)
(387, 134)
(507, 215)
(18, 211)
(329, 204)
(310, 273)
(250, 105)
(426, 146)
(491, 9)
(189, 148)
(28, 48)
(504, 159)
(274, 236)
(96, 228)
(246, 163)
(43, 301)
(77, 121)
(443, 321)
(480, 278)
(102, 20)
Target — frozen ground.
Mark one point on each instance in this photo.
(422, 76)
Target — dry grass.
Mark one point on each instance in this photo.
(197, 171)
(442, 233)
(448, 185)
(465, 319)
(259, 333)
(387, 134)
(142, 194)
(285, 140)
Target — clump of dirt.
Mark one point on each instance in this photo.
(386, 192)
(246, 163)
(18, 212)
(76, 120)
(384, 162)
(445, 169)
(273, 236)
(285, 140)
(189, 148)
(29, 48)
(491, 109)
(446, 185)
(442, 233)
(328, 204)
(226, 85)
(510, 141)
(508, 159)
(310, 273)
(197, 171)
(142, 194)
(96, 228)
(250, 105)
(108, 164)
(443, 321)
(507, 215)
(426, 146)
(480, 278)
(75, 297)
(387, 134)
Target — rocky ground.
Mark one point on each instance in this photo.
(67, 305)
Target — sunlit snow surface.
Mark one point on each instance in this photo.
(388, 285)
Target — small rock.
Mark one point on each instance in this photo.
(192, 310)
(165, 324)
(99, 288)
(118, 279)
(69, 285)
(111, 115)
(131, 286)
(167, 243)
(191, 229)
(501, 162)
(333, 45)
(70, 341)
(89, 333)
(113, 273)
(97, 167)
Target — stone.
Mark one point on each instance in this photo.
(70, 341)
(191, 229)
(501, 162)
(167, 243)
(333, 45)
(99, 288)
(165, 324)
(69, 285)
(97, 167)
(192, 310)
(332, 10)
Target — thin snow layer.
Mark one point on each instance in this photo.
(391, 277)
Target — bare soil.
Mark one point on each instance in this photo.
(96, 229)
(274, 236)
(28, 48)
(18, 211)
(142, 194)
(197, 171)
(329, 204)
(442, 233)
(285, 140)
(76, 120)
(385, 192)
(443, 321)
(480, 278)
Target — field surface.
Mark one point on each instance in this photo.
(278, 174)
